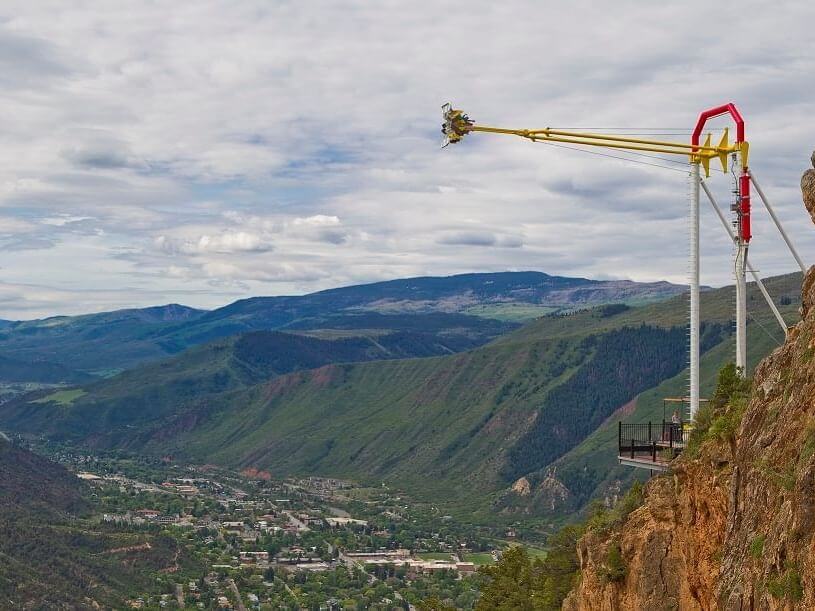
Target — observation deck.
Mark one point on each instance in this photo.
(653, 445)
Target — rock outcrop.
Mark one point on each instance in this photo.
(732, 527)
(522, 487)
(808, 189)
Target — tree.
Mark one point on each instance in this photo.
(434, 604)
(510, 585)
(518, 582)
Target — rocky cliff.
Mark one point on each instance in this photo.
(732, 525)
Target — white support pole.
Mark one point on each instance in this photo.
(694, 291)
(778, 223)
(740, 261)
(739, 270)
(759, 283)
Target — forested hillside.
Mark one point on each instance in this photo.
(50, 556)
(156, 391)
(13, 370)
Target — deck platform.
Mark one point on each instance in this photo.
(643, 462)
(651, 445)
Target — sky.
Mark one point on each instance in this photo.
(203, 152)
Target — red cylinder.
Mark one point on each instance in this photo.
(744, 208)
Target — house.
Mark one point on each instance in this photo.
(249, 535)
(87, 476)
(334, 522)
(148, 513)
(254, 557)
(312, 566)
(387, 555)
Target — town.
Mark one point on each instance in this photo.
(251, 541)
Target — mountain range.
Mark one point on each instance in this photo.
(460, 311)
(519, 425)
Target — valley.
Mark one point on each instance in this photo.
(219, 537)
(533, 406)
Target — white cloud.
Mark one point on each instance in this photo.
(10, 225)
(318, 220)
(224, 243)
(266, 148)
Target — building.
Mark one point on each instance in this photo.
(148, 514)
(254, 557)
(385, 555)
(465, 568)
(333, 522)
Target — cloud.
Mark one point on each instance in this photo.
(224, 243)
(479, 238)
(29, 61)
(298, 148)
(101, 152)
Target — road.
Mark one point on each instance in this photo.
(352, 564)
(301, 526)
(179, 595)
(234, 587)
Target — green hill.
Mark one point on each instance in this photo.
(51, 557)
(458, 429)
(43, 372)
(158, 390)
(96, 343)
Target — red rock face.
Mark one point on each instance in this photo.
(734, 527)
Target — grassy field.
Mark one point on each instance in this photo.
(63, 397)
(480, 558)
(510, 312)
(435, 556)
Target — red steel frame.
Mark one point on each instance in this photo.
(744, 179)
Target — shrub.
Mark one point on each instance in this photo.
(704, 418)
(783, 479)
(602, 519)
(633, 498)
(786, 585)
(614, 568)
(808, 446)
(722, 416)
(757, 546)
(725, 425)
(730, 385)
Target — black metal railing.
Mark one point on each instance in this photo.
(659, 441)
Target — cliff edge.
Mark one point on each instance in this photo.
(732, 525)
